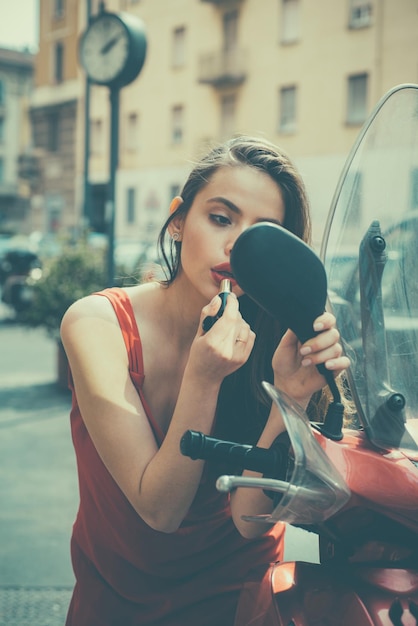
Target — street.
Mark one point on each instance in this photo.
(38, 487)
(38, 490)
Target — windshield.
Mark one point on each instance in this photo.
(370, 252)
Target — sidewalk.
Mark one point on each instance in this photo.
(38, 489)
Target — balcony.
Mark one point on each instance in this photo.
(226, 68)
(221, 2)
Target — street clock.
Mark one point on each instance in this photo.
(113, 48)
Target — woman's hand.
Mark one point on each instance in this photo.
(294, 365)
(226, 346)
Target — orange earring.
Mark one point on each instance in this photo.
(175, 203)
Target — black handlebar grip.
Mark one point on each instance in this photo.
(196, 445)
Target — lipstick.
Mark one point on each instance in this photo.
(224, 291)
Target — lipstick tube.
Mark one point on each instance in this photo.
(224, 291)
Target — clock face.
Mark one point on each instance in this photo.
(105, 49)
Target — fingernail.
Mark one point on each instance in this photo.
(305, 350)
(330, 364)
(306, 362)
(318, 326)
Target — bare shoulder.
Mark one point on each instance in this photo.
(90, 305)
(93, 341)
(95, 310)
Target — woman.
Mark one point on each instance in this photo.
(154, 542)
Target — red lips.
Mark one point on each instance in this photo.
(221, 271)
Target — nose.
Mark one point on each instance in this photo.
(233, 236)
(229, 245)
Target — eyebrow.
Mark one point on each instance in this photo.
(233, 207)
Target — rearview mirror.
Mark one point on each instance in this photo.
(282, 274)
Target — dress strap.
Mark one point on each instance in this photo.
(122, 306)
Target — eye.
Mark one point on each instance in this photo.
(221, 220)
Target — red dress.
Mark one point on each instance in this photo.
(128, 574)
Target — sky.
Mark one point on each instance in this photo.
(19, 24)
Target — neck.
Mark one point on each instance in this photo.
(181, 307)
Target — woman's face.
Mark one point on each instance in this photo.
(235, 198)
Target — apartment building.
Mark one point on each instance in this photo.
(54, 112)
(303, 73)
(16, 77)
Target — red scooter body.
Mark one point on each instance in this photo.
(307, 594)
(360, 580)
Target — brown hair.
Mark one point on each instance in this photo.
(242, 407)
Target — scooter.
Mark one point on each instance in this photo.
(354, 484)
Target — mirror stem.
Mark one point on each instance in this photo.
(333, 422)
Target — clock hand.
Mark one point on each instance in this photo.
(109, 45)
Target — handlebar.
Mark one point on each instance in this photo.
(270, 462)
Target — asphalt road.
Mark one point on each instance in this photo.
(38, 486)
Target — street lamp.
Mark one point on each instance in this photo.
(112, 52)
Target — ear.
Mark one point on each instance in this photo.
(175, 226)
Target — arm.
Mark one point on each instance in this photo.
(296, 374)
(160, 483)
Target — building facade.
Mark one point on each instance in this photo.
(16, 79)
(303, 74)
(54, 112)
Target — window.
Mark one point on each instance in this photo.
(179, 47)
(228, 106)
(289, 21)
(357, 99)
(130, 205)
(53, 132)
(360, 13)
(59, 62)
(96, 136)
(59, 8)
(287, 122)
(177, 122)
(131, 137)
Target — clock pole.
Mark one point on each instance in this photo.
(113, 165)
(112, 51)
(86, 180)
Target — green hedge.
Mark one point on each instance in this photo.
(77, 272)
